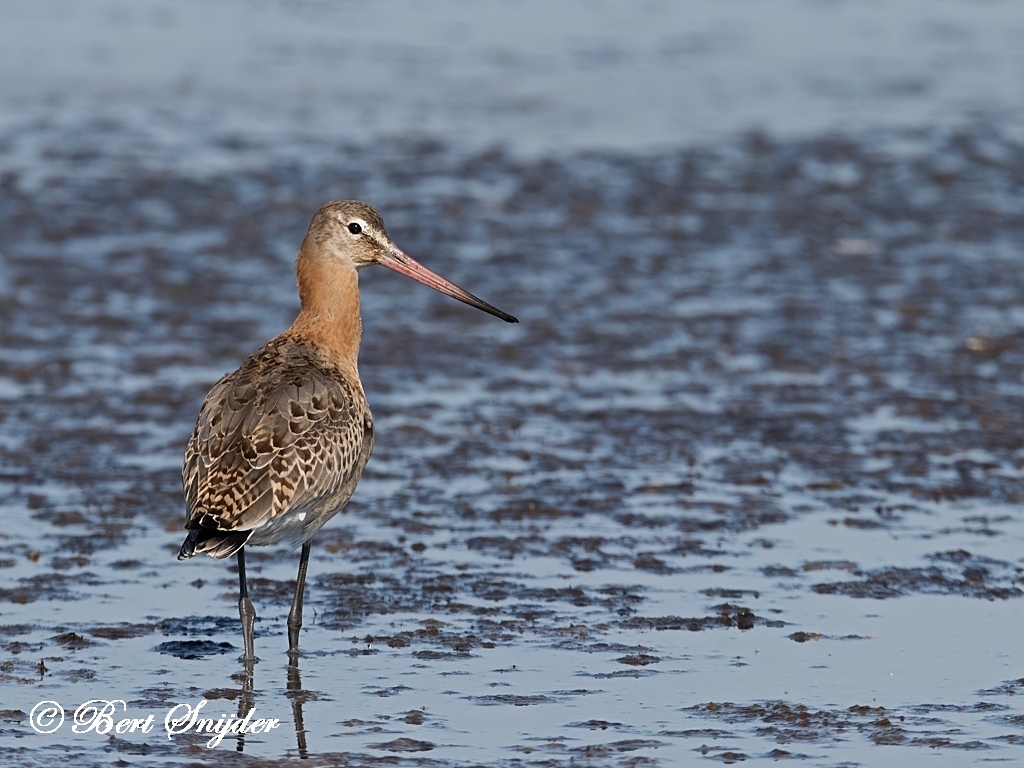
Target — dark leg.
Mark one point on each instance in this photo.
(246, 612)
(295, 614)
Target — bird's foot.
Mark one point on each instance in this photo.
(248, 616)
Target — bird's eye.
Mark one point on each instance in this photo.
(354, 228)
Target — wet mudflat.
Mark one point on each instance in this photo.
(743, 486)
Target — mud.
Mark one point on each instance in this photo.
(742, 486)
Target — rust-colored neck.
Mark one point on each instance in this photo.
(329, 292)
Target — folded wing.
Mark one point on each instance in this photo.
(285, 432)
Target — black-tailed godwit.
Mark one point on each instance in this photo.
(281, 443)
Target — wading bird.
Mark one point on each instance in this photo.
(280, 443)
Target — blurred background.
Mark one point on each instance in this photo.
(524, 74)
(743, 485)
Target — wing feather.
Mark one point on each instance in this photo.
(285, 431)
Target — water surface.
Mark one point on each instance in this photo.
(743, 485)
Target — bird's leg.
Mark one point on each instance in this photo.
(246, 612)
(295, 614)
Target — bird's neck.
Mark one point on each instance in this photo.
(329, 292)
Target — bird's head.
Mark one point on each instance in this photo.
(354, 232)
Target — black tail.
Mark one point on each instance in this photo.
(214, 542)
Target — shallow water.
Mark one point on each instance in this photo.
(744, 483)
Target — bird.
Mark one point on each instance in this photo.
(280, 444)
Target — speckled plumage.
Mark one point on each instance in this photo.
(277, 451)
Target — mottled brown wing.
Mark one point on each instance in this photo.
(283, 432)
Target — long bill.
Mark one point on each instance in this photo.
(404, 264)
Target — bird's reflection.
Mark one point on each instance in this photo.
(298, 698)
(247, 699)
(294, 691)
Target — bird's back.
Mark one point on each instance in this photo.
(278, 449)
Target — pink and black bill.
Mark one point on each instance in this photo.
(405, 265)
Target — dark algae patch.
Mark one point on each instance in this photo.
(726, 615)
(404, 745)
(194, 649)
(954, 573)
(788, 723)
